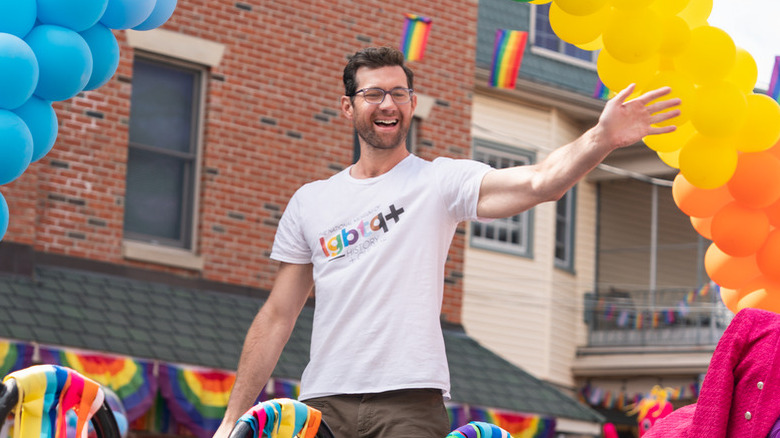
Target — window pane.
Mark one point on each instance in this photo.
(155, 189)
(505, 234)
(161, 110)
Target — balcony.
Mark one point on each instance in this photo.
(680, 318)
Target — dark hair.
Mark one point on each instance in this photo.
(373, 57)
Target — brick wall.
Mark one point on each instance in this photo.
(272, 124)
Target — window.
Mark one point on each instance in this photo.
(564, 230)
(545, 38)
(162, 164)
(513, 234)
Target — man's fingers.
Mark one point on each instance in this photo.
(663, 105)
(654, 94)
(664, 116)
(624, 93)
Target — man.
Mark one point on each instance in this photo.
(374, 238)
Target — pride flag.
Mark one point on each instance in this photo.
(601, 91)
(415, 36)
(507, 55)
(774, 84)
(518, 425)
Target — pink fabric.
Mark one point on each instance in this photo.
(740, 396)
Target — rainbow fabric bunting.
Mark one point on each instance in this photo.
(601, 91)
(14, 356)
(415, 36)
(517, 425)
(507, 55)
(130, 379)
(774, 84)
(197, 398)
(282, 418)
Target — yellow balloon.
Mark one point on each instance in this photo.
(671, 159)
(669, 7)
(676, 35)
(631, 5)
(672, 141)
(696, 12)
(709, 56)
(744, 73)
(539, 2)
(708, 162)
(578, 29)
(633, 36)
(596, 44)
(761, 129)
(718, 110)
(580, 7)
(617, 75)
(681, 86)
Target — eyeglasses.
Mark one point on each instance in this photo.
(376, 96)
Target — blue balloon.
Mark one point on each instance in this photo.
(64, 59)
(16, 146)
(126, 14)
(40, 118)
(17, 17)
(18, 71)
(76, 15)
(161, 13)
(105, 54)
(3, 216)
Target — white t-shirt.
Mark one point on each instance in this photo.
(378, 248)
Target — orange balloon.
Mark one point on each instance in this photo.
(775, 150)
(768, 256)
(773, 213)
(760, 294)
(703, 226)
(730, 298)
(729, 271)
(761, 129)
(756, 182)
(739, 231)
(697, 202)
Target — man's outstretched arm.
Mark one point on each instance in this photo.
(266, 338)
(510, 191)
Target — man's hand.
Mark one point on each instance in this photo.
(623, 123)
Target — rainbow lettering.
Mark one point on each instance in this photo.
(335, 246)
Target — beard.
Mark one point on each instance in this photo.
(365, 130)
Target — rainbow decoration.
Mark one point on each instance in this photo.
(130, 379)
(517, 425)
(46, 394)
(774, 84)
(14, 356)
(415, 36)
(507, 55)
(197, 398)
(601, 91)
(479, 429)
(282, 418)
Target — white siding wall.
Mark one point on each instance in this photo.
(525, 309)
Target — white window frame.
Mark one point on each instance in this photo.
(558, 55)
(566, 239)
(522, 223)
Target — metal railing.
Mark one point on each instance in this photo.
(664, 317)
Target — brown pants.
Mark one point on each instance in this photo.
(410, 413)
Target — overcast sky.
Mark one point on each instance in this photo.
(753, 24)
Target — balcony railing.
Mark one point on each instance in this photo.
(665, 317)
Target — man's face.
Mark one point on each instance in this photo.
(384, 125)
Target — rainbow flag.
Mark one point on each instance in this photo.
(601, 91)
(774, 84)
(507, 55)
(415, 36)
(518, 425)
(14, 356)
